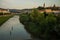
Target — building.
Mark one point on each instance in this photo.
(4, 11)
(53, 9)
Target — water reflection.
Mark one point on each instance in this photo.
(13, 30)
(10, 33)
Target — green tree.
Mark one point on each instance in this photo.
(40, 24)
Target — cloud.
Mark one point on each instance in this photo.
(26, 3)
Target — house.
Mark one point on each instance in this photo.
(4, 11)
(48, 10)
(53, 9)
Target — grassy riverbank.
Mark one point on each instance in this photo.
(4, 19)
(41, 25)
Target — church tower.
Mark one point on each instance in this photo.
(44, 5)
(54, 5)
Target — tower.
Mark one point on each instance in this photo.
(54, 5)
(44, 5)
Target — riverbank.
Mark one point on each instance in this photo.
(4, 19)
(41, 25)
(12, 29)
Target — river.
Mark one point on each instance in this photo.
(13, 30)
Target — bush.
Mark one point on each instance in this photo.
(1, 13)
(40, 24)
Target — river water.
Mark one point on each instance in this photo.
(13, 30)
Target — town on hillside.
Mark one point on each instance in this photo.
(55, 9)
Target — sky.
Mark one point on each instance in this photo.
(23, 4)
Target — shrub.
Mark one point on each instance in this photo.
(40, 24)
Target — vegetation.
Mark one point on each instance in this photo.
(1, 13)
(41, 25)
(4, 18)
(41, 8)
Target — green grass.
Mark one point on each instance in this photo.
(4, 19)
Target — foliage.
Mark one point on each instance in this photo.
(3, 19)
(1, 13)
(40, 24)
(41, 8)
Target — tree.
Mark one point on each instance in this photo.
(40, 24)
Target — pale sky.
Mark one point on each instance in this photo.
(22, 4)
